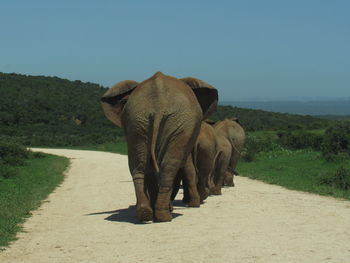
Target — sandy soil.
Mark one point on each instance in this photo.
(90, 218)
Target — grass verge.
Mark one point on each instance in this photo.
(24, 192)
(120, 147)
(296, 170)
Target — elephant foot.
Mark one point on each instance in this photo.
(203, 196)
(211, 191)
(162, 215)
(216, 192)
(144, 213)
(230, 183)
(194, 203)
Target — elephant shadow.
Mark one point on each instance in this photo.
(125, 215)
(178, 204)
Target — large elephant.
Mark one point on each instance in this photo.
(232, 130)
(161, 119)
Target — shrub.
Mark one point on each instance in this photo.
(300, 140)
(338, 179)
(37, 155)
(7, 171)
(336, 142)
(12, 153)
(253, 145)
(250, 149)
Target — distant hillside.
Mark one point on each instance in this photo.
(50, 111)
(335, 117)
(317, 107)
(254, 120)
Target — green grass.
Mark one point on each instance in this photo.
(273, 134)
(262, 133)
(120, 147)
(25, 191)
(296, 170)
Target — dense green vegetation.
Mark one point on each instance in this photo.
(119, 146)
(340, 106)
(303, 170)
(298, 152)
(26, 178)
(49, 111)
(257, 120)
(53, 112)
(333, 142)
(316, 161)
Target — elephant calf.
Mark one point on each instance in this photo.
(215, 156)
(232, 131)
(161, 118)
(202, 162)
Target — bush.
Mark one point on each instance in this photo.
(339, 179)
(300, 140)
(253, 145)
(250, 150)
(37, 155)
(12, 153)
(336, 142)
(7, 171)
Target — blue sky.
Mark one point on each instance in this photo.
(247, 49)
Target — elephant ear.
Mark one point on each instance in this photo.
(206, 94)
(236, 120)
(114, 99)
(210, 122)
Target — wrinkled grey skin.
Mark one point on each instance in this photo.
(215, 156)
(235, 135)
(222, 161)
(202, 160)
(161, 119)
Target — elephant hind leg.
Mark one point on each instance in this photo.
(176, 185)
(191, 180)
(220, 171)
(190, 193)
(221, 177)
(228, 180)
(169, 168)
(144, 210)
(138, 160)
(186, 193)
(151, 184)
(205, 167)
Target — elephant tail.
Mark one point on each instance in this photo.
(155, 122)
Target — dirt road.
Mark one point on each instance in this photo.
(90, 218)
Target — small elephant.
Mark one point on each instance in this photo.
(210, 158)
(201, 161)
(161, 119)
(232, 130)
(222, 161)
